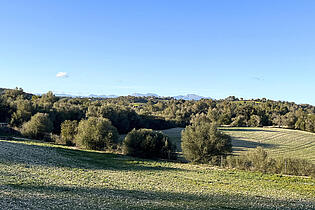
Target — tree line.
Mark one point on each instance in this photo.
(128, 112)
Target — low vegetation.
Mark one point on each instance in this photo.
(36, 175)
(259, 160)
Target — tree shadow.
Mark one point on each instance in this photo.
(112, 161)
(242, 145)
(77, 197)
(32, 155)
(248, 130)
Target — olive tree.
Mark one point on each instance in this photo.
(202, 141)
(147, 143)
(96, 133)
(38, 127)
(68, 131)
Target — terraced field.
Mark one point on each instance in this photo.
(35, 175)
(278, 142)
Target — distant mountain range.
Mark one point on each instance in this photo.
(179, 97)
(89, 96)
(102, 96)
(190, 97)
(145, 95)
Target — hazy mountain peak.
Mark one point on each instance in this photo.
(145, 95)
(189, 97)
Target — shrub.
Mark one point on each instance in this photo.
(202, 141)
(96, 133)
(147, 143)
(294, 166)
(68, 131)
(258, 160)
(38, 127)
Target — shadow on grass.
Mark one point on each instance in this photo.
(248, 130)
(20, 153)
(244, 144)
(113, 161)
(76, 197)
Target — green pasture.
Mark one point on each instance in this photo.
(35, 175)
(278, 142)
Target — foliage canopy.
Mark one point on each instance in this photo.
(96, 133)
(147, 143)
(202, 141)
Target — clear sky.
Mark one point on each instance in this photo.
(250, 49)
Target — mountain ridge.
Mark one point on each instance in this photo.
(178, 97)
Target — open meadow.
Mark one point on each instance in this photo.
(36, 175)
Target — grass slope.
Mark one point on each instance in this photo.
(278, 142)
(36, 175)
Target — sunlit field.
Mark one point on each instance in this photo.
(40, 175)
(276, 141)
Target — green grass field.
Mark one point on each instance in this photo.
(35, 175)
(276, 141)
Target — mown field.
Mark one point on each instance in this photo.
(35, 175)
(276, 141)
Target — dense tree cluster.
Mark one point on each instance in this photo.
(129, 112)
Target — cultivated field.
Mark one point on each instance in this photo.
(36, 175)
(278, 142)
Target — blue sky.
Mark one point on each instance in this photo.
(250, 49)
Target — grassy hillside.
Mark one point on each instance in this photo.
(39, 176)
(278, 142)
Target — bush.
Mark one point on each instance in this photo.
(202, 141)
(68, 131)
(258, 160)
(38, 127)
(294, 166)
(96, 133)
(147, 143)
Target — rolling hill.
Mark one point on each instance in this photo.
(36, 175)
(276, 141)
